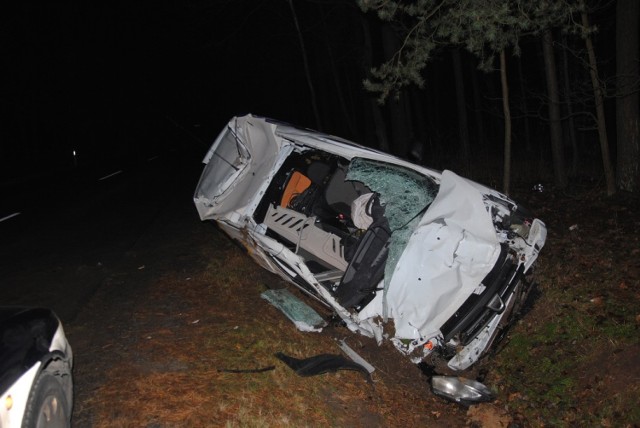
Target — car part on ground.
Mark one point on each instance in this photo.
(320, 364)
(301, 314)
(355, 357)
(461, 390)
(438, 264)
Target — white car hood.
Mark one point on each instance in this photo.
(448, 255)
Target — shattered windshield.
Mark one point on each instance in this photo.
(404, 193)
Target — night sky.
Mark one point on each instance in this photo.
(114, 79)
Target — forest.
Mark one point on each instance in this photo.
(542, 93)
(550, 85)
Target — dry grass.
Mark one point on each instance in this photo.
(574, 359)
(152, 358)
(187, 329)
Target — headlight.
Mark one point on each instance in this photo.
(461, 390)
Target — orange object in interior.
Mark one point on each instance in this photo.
(297, 184)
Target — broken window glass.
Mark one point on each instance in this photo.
(404, 193)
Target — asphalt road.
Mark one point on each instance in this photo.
(73, 231)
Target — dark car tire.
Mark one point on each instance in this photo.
(47, 405)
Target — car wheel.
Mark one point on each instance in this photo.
(47, 405)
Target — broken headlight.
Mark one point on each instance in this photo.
(461, 390)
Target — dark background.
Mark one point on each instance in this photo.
(120, 82)
(129, 79)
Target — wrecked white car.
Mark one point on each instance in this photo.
(433, 262)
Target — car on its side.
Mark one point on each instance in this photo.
(434, 262)
(36, 360)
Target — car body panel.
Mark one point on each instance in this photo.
(31, 339)
(26, 337)
(446, 258)
(18, 395)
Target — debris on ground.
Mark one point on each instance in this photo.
(301, 314)
(320, 364)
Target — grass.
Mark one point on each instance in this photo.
(573, 360)
(187, 331)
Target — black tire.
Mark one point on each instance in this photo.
(47, 406)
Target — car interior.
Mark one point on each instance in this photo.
(308, 207)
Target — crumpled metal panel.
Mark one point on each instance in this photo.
(450, 252)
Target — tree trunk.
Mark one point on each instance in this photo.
(599, 99)
(346, 115)
(525, 110)
(480, 138)
(419, 134)
(398, 106)
(506, 179)
(379, 125)
(555, 126)
(568, 101)
(463, 123)
(312, 91)
(627, 110)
